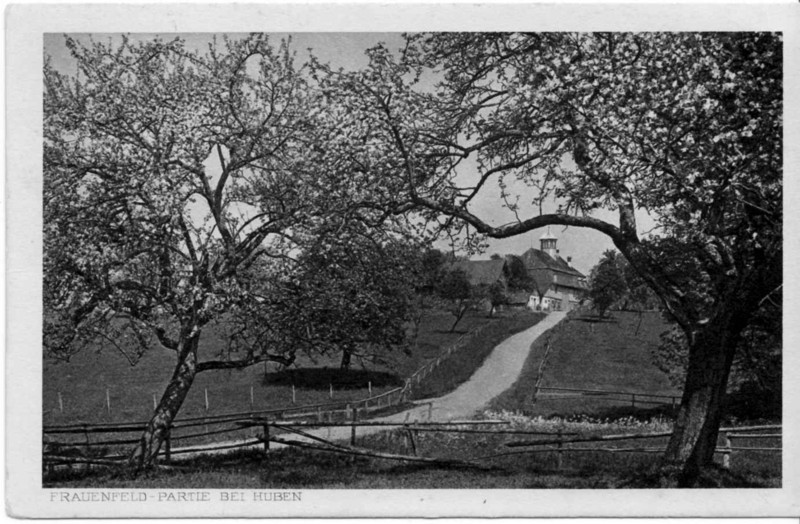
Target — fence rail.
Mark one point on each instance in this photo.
(633, 396)
(563, 441)
(726, 450)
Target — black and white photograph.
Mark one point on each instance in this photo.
(262, 267)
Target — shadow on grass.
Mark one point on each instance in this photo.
(323, 378)
(712, 477)
(596, 320)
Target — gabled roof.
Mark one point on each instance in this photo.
(537, 259)
(543, 281)
(481, 272)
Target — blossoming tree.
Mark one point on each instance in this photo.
(684, 126)
(180, 188)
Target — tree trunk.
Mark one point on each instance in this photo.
(694, 439)
(346, 355)
(459, 313)
(144, 454)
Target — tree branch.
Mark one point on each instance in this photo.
(245, 362)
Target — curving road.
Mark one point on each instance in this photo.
(498, 373)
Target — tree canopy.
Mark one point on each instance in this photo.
(684, 126)
(614, 283)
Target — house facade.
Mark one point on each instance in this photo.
(559, 286)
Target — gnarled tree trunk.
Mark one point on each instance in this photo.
(144, 454)
(694, 439)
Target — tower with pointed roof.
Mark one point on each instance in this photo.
(548, 243)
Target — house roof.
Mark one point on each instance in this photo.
(547, 235)
(481, 272)
(537, 259)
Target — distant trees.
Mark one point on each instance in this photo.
(517, 275)
(606, 282)
(351, 295)
(496, 295)
(614, 283)
(455, 289)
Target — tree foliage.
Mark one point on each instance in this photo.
(351, 296)
(517, 274)
(455, 289)
(614, 283)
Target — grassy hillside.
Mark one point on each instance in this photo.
(613, 354)
(83, 382)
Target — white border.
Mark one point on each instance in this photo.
(25, 25)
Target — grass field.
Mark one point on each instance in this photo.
(83, 382)
(586, 354)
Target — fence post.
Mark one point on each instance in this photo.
(294, 395)
(353, 419)
(726, 457)
(410, 438)
(108, 401)
(60, 403)
(252, 399)
(86, 433)
(633, 400)
(331, 390)
(266, 438)
(430, 411)
(319, 414)
(560, 456)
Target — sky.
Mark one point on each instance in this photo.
(346, 50)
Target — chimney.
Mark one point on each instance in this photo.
(569, 261)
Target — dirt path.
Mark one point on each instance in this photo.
(498, 373)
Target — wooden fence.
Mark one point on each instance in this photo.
(77, 437)
(419, 375)
(558, 442)
(563, 443)
(611, 395)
